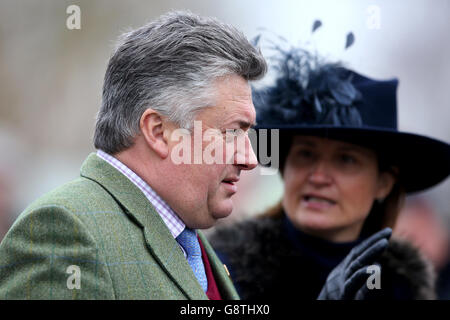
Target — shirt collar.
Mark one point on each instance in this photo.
(170, 218)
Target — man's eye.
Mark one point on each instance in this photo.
(234, 132)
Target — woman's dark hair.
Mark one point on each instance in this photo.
(384, 213)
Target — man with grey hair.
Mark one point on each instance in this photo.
(127, 228)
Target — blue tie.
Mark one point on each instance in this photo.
(188, 240)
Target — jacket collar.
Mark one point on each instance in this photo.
(159, 240)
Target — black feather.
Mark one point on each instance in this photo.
(350, 39)
(316, 25)
(307, 90)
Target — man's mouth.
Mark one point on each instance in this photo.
(231, 179)
(230, 183)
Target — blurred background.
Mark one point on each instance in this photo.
(51, 80)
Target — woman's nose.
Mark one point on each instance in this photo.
(320, 174)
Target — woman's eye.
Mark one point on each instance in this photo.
(305, 154)
(347, 159)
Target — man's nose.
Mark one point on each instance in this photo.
(245, 157)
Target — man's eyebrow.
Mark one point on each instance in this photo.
(242, 124)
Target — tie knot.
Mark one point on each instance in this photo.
(188, 240)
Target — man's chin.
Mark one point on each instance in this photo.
(211, 222)
(224, 211)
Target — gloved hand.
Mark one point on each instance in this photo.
(348, 279)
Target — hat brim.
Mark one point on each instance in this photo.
(423, 161)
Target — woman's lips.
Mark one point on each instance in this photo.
(315, 202)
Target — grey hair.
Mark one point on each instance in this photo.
(169, 65)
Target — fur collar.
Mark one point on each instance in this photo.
(263, 261)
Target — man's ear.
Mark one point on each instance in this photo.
(152, 126)
(386, 181)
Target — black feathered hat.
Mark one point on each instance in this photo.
(312, 97)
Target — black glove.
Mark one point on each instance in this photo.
(348, 279)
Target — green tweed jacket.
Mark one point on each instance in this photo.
(98, 237)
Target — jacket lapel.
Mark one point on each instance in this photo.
(159, 240)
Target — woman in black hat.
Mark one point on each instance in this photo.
(346, 169)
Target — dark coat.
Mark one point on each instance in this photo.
(265, 263)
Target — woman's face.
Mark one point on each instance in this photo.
(330, 187)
